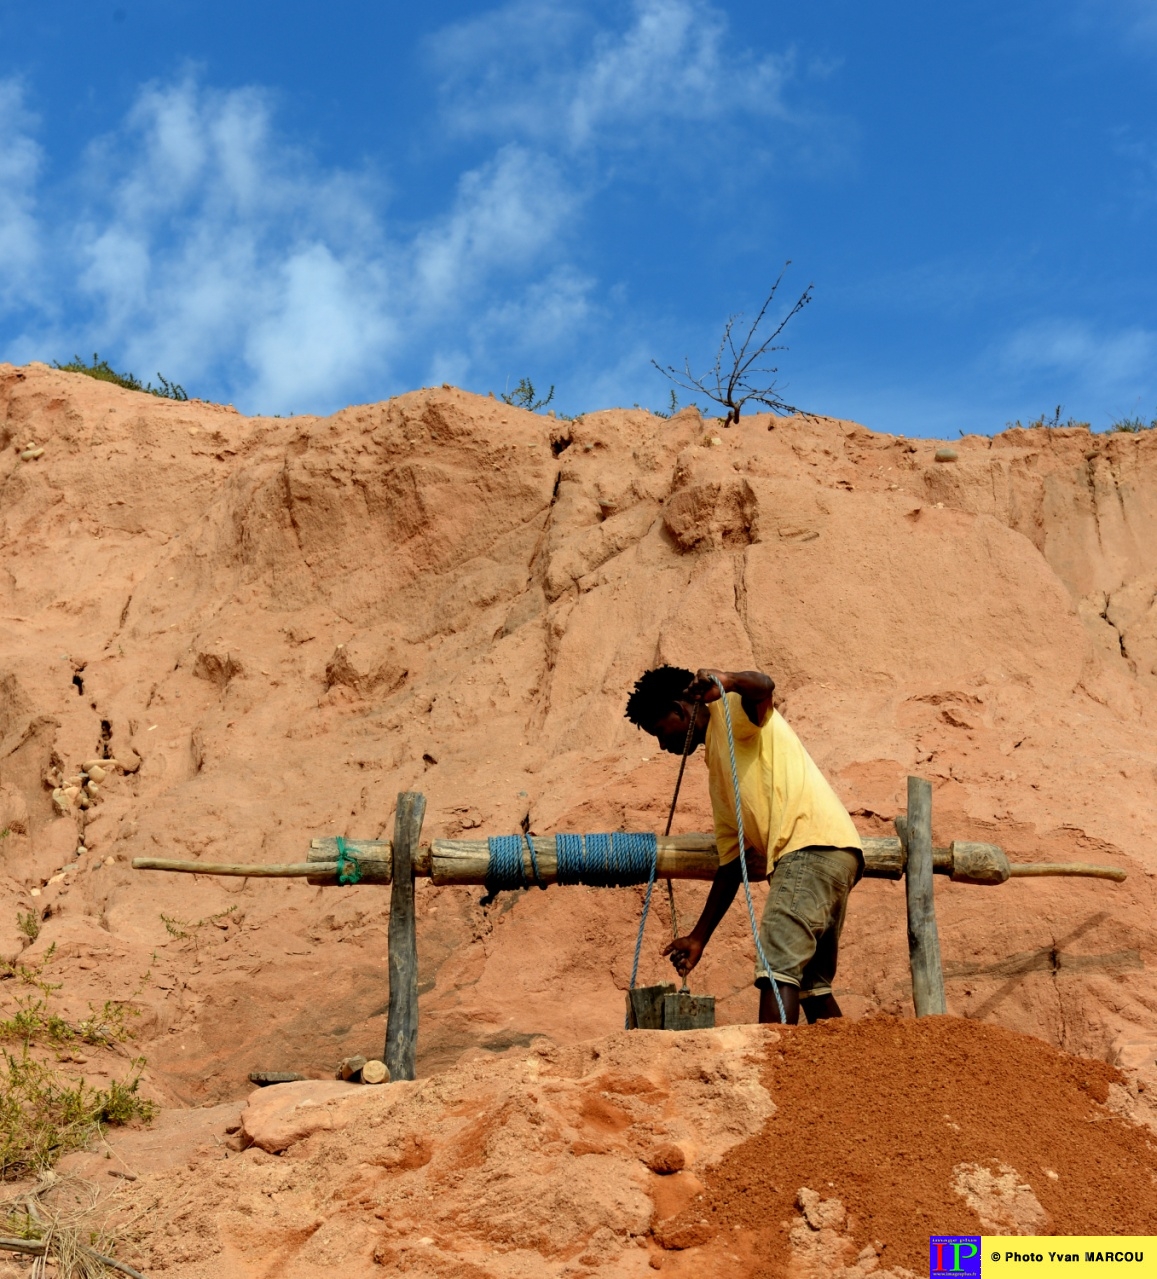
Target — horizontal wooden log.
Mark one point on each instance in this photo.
(257, 870)
(466, 861)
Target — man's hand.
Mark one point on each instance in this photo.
(756, 690)
(704, 687)
(685, 953)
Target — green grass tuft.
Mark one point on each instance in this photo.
(103, 372)
(44, 1115)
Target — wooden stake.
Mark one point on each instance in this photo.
(923, 939)
(402, 1020)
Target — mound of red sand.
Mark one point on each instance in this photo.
(937, 1126)
(827, 1151)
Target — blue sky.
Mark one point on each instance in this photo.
(296, 207)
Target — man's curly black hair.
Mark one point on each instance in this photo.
(655, 693)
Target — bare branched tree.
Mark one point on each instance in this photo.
(740, 371)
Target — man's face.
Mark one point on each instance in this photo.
(671, 730)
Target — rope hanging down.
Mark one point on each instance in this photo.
(742, 853)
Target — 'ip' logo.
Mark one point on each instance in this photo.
(957, 1256)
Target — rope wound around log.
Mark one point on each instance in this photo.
(349, 869)
(615, 860)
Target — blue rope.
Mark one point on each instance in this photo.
(600, 861)
(506, 869)
(349, 869)
(743, 855)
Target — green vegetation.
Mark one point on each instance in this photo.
(28, 923)
(1132, 425)
(44, 1113)
(1052, 423)
(524, 396)
(101, 370)
(190, 930)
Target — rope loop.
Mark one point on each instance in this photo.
(349, 869)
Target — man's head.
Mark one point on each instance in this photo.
(658, 705)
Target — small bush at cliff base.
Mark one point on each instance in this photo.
(101, 370)
(44, 1115)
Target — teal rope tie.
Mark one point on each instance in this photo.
(349, 869)
(742, 853)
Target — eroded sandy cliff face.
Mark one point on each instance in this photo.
(275, 625)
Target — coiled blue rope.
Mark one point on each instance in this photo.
(614, 860)
(505, 870)
(742, 855)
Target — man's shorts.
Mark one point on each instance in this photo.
(804, 917)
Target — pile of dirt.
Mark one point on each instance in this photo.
(937, 1126)
(829, 1151)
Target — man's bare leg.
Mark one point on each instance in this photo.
(769, 1012)
(820, 1007)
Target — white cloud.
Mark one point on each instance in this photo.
(210, 250)
(198, 242)
(515, 70)
(20, 161)
(1101, 362)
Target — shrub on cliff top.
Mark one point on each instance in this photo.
(740, 372)
(1133, 424)
(103, 372)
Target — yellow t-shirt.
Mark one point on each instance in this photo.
(787, 802)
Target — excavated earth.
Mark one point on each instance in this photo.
(275, 625)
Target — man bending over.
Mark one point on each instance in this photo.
(797, 831)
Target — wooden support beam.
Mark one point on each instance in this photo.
(923, 939)
(402, 1019)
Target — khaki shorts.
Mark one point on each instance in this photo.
(804, 916)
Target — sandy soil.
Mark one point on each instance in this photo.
(275, 625)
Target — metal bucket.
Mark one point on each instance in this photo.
(665, 1008)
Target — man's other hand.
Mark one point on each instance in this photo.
(685, 953)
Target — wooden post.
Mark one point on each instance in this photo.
(402, 1020)
(923, 939)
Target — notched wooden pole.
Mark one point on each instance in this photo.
(402, 1019)
(923, 939)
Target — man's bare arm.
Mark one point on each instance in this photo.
(756, 690)
(686, 951)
